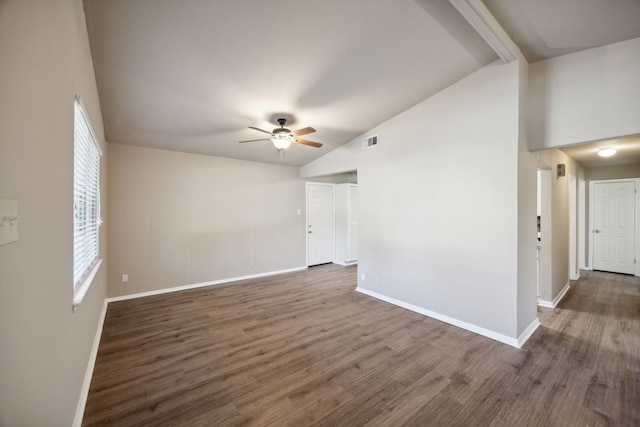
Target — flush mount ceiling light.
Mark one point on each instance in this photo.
(606, 152)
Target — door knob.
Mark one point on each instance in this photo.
(596, 231)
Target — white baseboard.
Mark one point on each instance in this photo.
(526, 334)
(556, 300)
(345, 263)
(514, 342)
(201, 285)
(545, 303)
(84, 391)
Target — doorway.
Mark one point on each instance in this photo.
(320, 226)
(545, 281)
(612, 225)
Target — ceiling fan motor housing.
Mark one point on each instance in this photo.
(282, 128)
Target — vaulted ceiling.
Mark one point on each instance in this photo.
(193, 75)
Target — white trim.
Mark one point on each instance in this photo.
(201, 285)
(582, 225)
(556, 300)
(346, 263)
(514, 342)
(479, 17)
(636, 225)
(545, 254)
(81, 291)
(84, 391)
(573, 226)
(526, 334)
(590, 227)
(85, 114)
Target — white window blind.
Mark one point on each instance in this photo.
(86, 201)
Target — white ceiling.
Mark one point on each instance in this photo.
(193, 75)
(548, 28)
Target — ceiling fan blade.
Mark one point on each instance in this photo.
(310, 143)
(260, 130)
(304, 131)
(254, 140)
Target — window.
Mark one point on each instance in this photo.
(86, 203)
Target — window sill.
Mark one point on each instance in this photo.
(81, 291)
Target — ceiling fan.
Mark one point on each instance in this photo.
(282, 137)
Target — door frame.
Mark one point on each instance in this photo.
(545, 245)
(636, 237)
(582, 225)
(574, 273)
(306, 220)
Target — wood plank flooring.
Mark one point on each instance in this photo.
(305, 349)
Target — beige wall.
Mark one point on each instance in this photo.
(180, 219)
(556, 249)
(612, 172)
(44, 346)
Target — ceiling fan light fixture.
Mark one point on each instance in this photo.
(282, 141)
(282, 137)
(606, 152)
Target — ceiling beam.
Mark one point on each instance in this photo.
(476, 13)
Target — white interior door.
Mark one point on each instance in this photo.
(319, 223)
(613, 227)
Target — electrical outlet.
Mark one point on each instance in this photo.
(362, 276)
(125, 278)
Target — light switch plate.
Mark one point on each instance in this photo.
(8, 221)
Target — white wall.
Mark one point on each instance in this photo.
(45, 348)
(181, 219)
(586, 96)
(439, 204)
(527, 215)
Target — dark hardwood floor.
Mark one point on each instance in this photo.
(305, 349)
